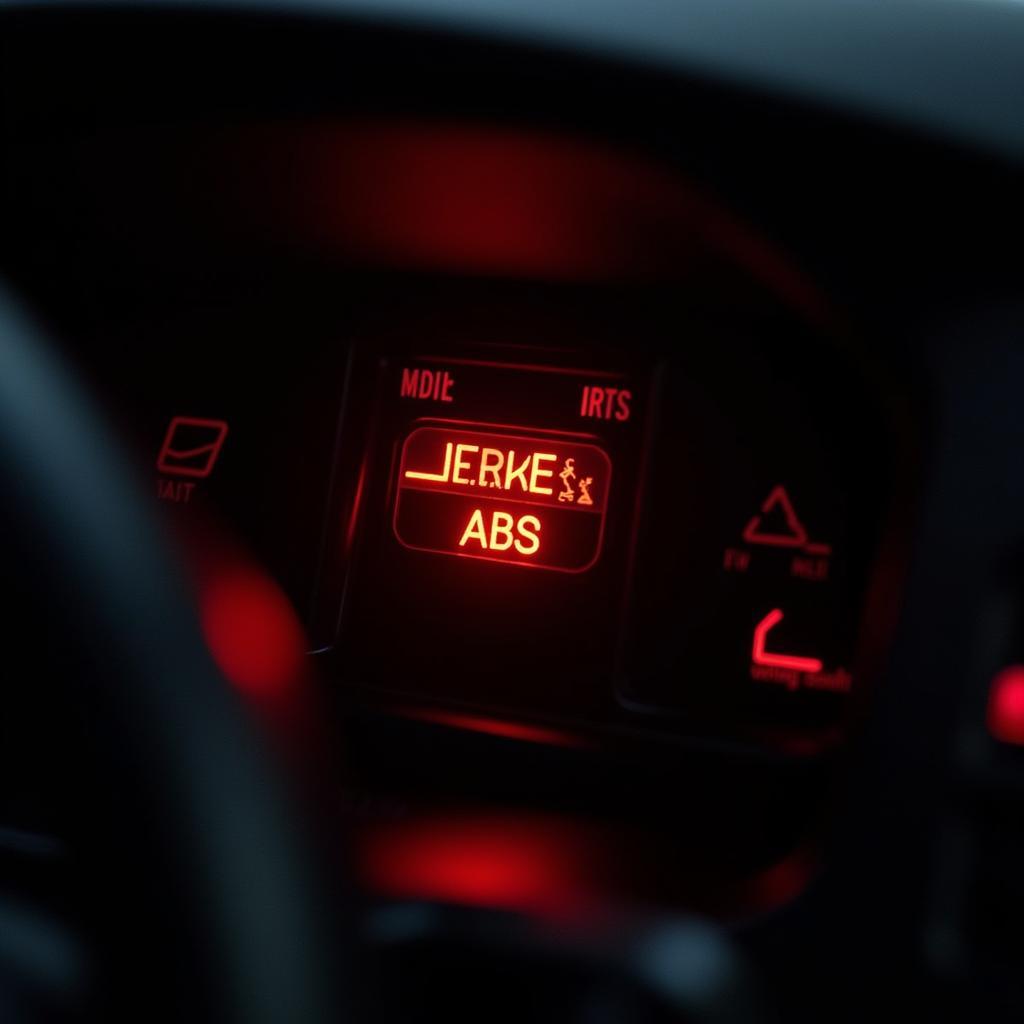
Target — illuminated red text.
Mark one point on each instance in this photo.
(503, 532)
(471, 465)
(435, 385)
(504, 498)
(605, 403)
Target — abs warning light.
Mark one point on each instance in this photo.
(501, 497)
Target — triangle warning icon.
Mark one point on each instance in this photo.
(776, 524)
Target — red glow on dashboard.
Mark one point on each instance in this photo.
(492, 201)
(761, 656)
(495, 364)
(525, 865)
(576, 435)
(463, 197)
(501, 727)
(357, 502)
(1006, 706)
(251, 630)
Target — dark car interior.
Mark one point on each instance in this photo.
(512, 512)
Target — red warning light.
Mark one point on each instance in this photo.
(1005, 717)
(761, 656)
(787, 531)
(502, 498)
(790, 534)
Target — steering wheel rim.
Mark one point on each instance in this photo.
(232, 920)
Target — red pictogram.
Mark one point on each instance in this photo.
(777, 525)
(191, 446)
(760, 656)
(790, 533)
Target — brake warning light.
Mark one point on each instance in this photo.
(505, 498)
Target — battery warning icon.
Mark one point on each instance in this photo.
(505, 498)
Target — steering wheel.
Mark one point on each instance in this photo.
(202, 892)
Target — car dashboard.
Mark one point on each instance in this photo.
(597, 426)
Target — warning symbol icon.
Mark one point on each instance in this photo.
(777, 525)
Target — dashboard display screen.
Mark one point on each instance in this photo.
(531, 501)
(672, 533)
(492, 521)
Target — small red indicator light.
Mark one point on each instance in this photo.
(502, 498)
(790, 534)
(191, 447)
(1006, 706)
(761, 656)
(787, 532)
